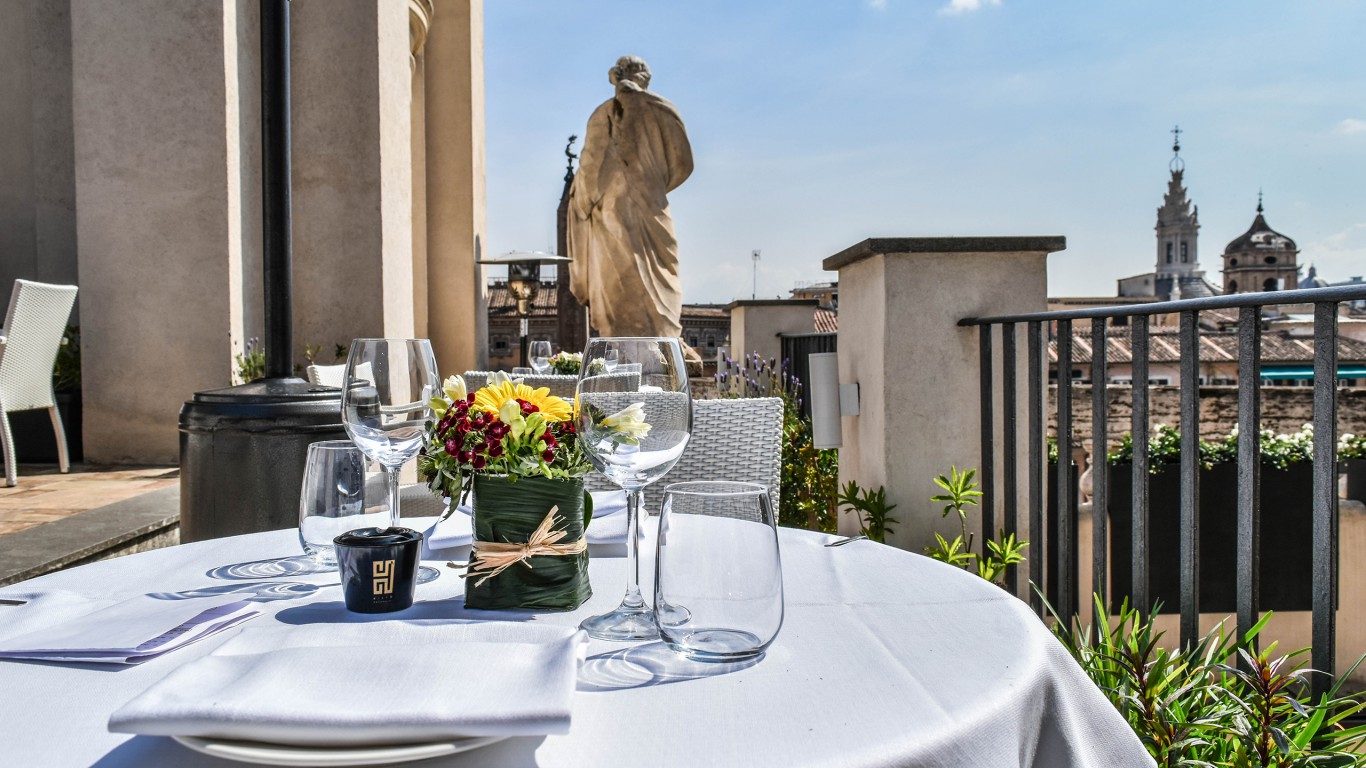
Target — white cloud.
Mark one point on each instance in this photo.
(957, 7)
(1351, 125)
(878, 4)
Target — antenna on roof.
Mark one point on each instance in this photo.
(754, 292)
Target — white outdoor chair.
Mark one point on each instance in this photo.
(739, 439)
(332, 375)
(28, 348)
(559, 385)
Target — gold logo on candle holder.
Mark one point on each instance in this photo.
(384, 576)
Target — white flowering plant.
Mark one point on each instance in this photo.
(1351, 446)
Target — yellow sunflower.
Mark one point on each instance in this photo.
(492, 397)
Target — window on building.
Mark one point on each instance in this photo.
(1233, 262)
(500, 344)
(692, 341)
(1270, 259)
(1169, 253)
(1269, 284)
(1184, 253)
(711, 341)
(1233, 286)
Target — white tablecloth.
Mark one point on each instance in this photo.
(885, 659)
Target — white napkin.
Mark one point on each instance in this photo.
(65, 626)
(383, 682)
(606, 527)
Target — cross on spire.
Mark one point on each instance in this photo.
(1176, 139)
(1259, 200)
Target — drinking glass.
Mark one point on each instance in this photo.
(718, 571)
(611, 358)
(633, 430)
(332, 500)
(520, 371)
(385, 412)
(539, 355)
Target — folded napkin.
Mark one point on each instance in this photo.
(65, 626)
(383, 682)
(606, 527)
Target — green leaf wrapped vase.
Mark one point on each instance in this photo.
(517, 449)
(514, 568)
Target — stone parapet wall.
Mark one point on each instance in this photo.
(1284, 409)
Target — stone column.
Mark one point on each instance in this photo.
(353, 210)
(158, 179)
(917, 370)
(457, 297)
(756, 323)
(37, 165)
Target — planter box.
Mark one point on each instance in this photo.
(34, 442)
(1286, 553)
(1355, 469)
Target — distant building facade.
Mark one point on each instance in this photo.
(1261, 259)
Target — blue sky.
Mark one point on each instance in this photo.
(817, 124)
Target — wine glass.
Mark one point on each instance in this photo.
(386, 388)
(633, 429)
(539, 355)
(611, 358)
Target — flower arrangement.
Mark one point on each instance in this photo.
(1279, 450)
(505, 428)
(566, 363)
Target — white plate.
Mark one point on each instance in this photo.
(317, 757)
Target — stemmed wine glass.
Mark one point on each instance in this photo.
(386, 388)
(539, 356)
(633, 427)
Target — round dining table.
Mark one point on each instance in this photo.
(885, 658)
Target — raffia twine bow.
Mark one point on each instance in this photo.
(488, 559)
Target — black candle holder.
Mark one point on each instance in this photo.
(378, 568)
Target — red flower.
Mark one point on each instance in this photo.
(548, 455)
(479, 462)
(495, 450)
(452, 448)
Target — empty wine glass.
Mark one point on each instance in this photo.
(633, 428)
(386, 388)
(539, 355)
(611, 358)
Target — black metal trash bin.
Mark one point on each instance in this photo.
(242, 453)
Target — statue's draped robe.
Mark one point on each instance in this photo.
(621, 237)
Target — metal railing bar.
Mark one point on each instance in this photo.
(1065, 545)
(1009, 480)
(1100, 441)
(1038, 537)
(1249, 468)
(1231, 301)
(1325, 526)
(1190, 478)
(987, 475)
(1139, 432)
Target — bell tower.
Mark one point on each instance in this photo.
(1178, 223)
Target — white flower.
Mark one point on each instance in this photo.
(498, 377)
(454, 387)
(628, 422)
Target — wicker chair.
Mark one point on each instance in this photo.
(28, 348)
(332, 375)
(736, 439)
(559, 385)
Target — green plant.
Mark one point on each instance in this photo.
(1004, 551)
(566, 363)
(66, 371)
(872, 510)
(1351, 446)
(1164, 448)
(251, 361)
(809, 477)
(1194, 706)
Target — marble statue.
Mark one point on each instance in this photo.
(620, 235)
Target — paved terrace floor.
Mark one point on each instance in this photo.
(52, 520)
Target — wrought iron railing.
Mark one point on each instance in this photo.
(1059, 540)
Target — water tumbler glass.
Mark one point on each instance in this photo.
(332, 500)
(718, 574)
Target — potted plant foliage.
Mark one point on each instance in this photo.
(1352, 462)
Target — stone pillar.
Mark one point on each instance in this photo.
(917, 370)
(419, 24)
(158, 175)
(37, 161)
(457, 298)
(756, 323)
(353, 207)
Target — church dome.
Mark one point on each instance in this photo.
(1260, 238)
